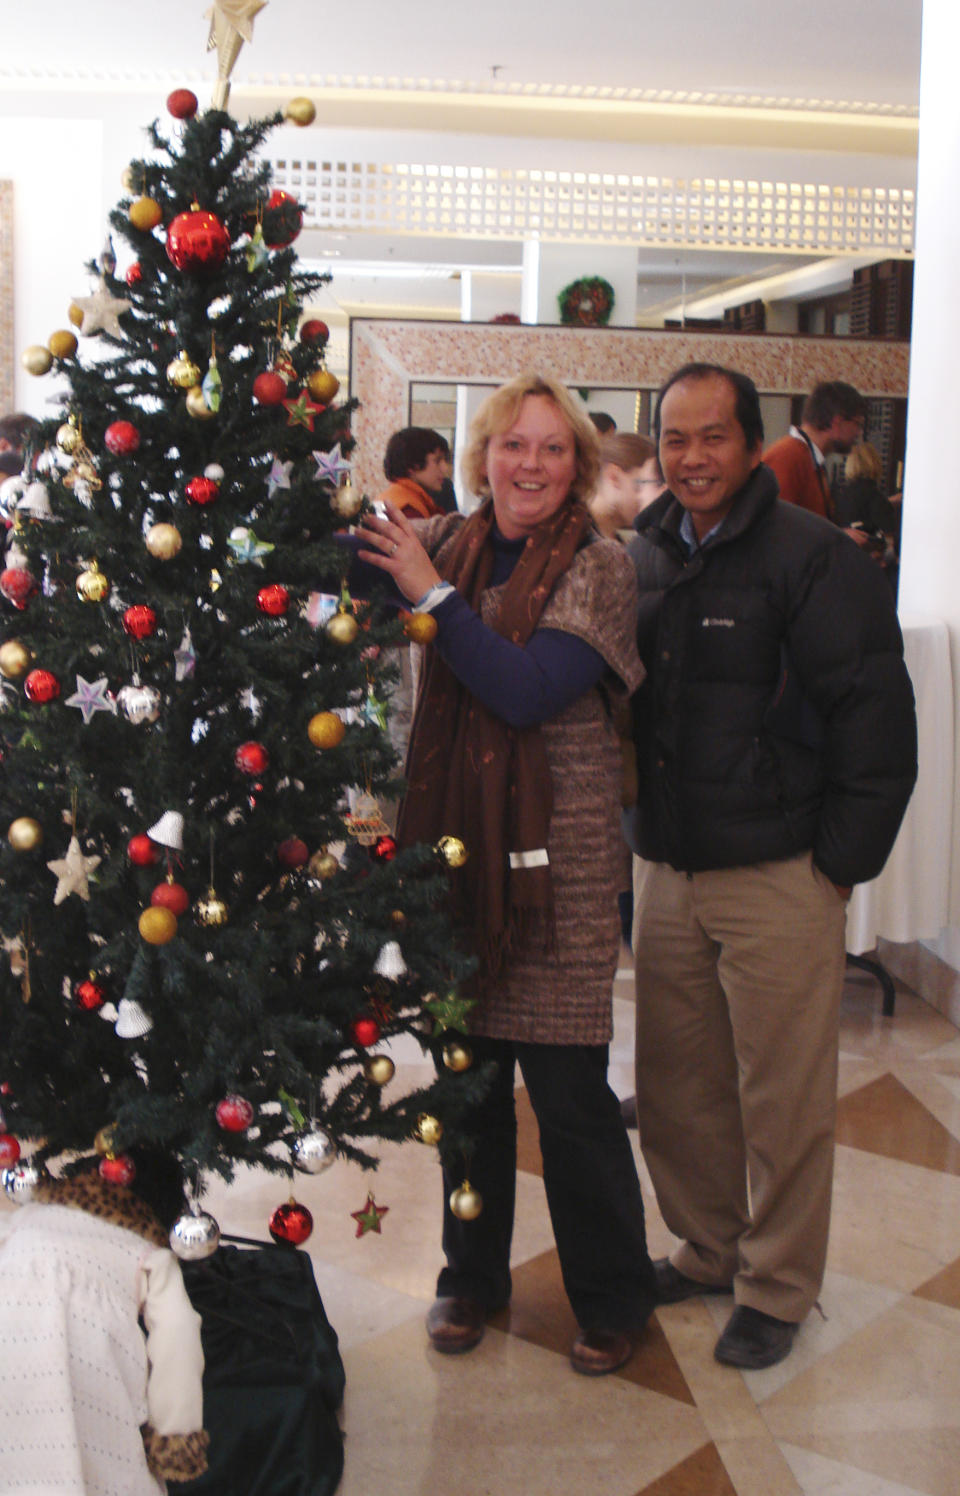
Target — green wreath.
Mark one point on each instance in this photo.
(586, 302)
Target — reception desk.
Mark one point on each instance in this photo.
(908, 901)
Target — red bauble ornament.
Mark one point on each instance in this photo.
(293, 852)
(269, 388)
(251, 758)
(197, 240)
(172, 896)
(182, 103)
(9, 1150)
(234, 1113)
(17, 586)
(121, 438)
(41, 686)
(202, 490)
(140, 621)
(314, 331)
(142, 851)
(365, 1031)
(119, 1169)
(273, 600)
(90, 995)
(291, 1223)
(134, 274)
(282, 219)
(384, 849)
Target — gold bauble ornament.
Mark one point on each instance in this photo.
(428, 1129)
(15, 659)
(397, 918)
(75, 314)
(24, 834)
(452, 850)
(457, 1056)
(197, 405)
(466, 1202)
(323, 865)
(157, 925)
(346, 502)
(323, 385)
(163, 541)
(128, 179)
(379, 1069)
(105, 1141)
(62, 344)
(326, 730)
(420, 627)
(145, 213)
(343, 628)
(36, 359)
(92, 585)
(301, 111)
(183, 372)
(68, 437)
(211, 911)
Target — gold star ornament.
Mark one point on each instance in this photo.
(72, 873)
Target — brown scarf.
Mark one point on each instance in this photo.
(472, 776)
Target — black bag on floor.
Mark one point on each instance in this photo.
(273, 1380)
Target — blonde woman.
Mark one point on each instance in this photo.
(513, 750)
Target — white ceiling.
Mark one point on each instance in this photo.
(820, 55)
(819, 49)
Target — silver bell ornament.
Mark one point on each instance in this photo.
(132, 1022)
(194, 1236)
(19, 1182)
(35, 503)
(390, 962)
(168, 831)
(314, 1151)
(139, 703)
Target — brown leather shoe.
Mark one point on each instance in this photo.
(455, 1324)
(596, 1353)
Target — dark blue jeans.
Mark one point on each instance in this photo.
(590, 1179)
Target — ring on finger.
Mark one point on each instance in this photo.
(394, 548)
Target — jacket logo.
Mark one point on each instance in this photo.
(718, 623)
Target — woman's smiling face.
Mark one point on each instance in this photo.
(531, 466)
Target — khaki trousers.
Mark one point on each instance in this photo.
(739, 973)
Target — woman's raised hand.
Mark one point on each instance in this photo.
(392, 545)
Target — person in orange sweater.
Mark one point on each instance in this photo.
(413, 462)
(832, 421)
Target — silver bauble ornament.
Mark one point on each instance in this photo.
(194, 1236)
(314, 1151)
(19, 1182)
(139, 703)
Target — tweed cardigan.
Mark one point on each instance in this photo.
(566, 997)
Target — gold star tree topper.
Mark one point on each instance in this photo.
(231, 24)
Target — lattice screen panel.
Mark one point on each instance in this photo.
(508, 203)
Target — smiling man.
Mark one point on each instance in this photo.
(776, 749)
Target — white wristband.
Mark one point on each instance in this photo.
(431, 599)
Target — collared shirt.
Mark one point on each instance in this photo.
(689, 535)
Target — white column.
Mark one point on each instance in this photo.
(931, 508)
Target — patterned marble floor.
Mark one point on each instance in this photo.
(868, 1403)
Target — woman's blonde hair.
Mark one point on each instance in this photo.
(863, 461)
(498, 413)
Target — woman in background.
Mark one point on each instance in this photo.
(629, 480)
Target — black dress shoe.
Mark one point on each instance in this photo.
(596, 1353)
(455, 1324)
(673, 1286)
(753, 1339)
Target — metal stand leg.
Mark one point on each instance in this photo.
(866, 963)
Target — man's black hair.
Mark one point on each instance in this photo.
(830, 398)
(408, 450)
(747, 407)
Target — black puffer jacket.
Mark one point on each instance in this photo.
(777, 714)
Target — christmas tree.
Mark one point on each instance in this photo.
(210, 932)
